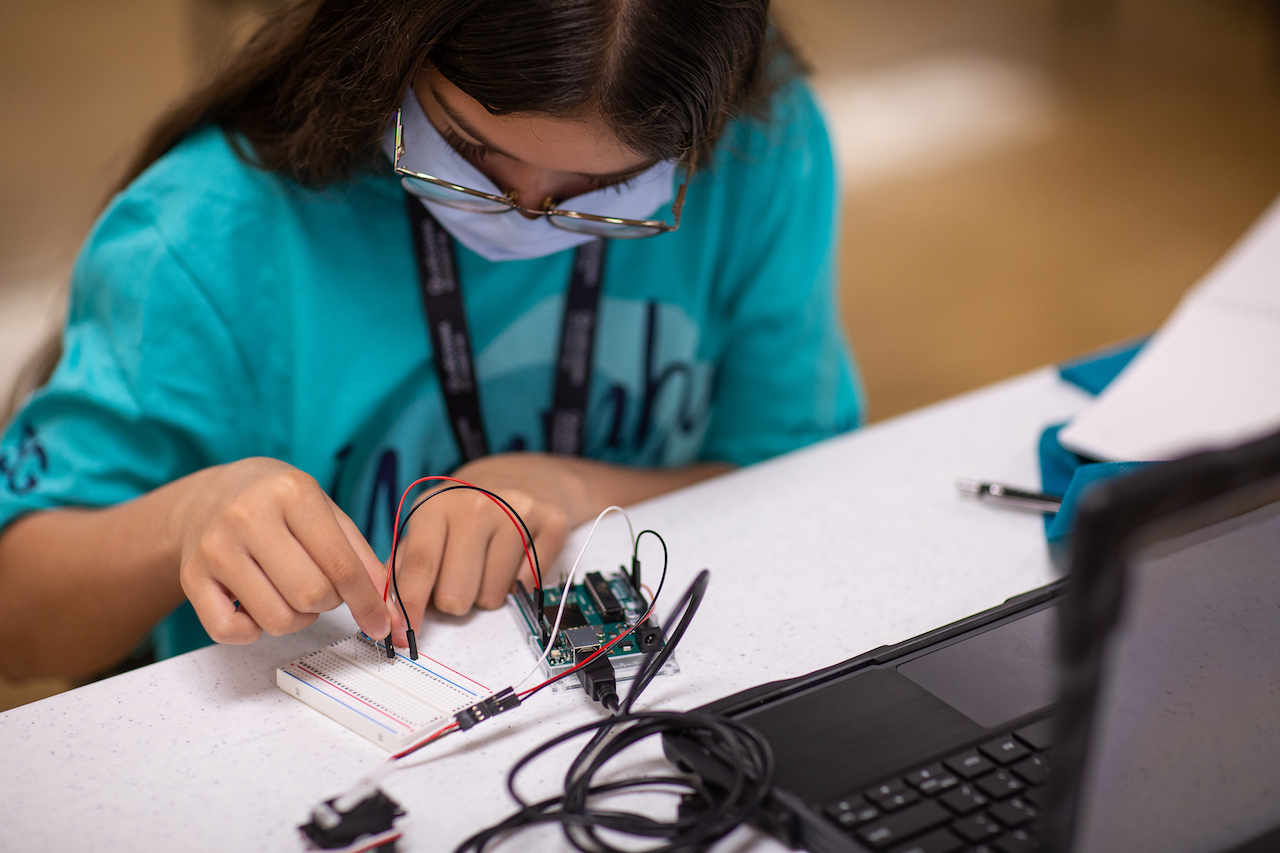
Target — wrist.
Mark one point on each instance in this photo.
(179, 501)
(579, 500)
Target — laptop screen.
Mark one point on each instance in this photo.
(1184, 755)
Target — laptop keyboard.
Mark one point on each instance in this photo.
(982, 800)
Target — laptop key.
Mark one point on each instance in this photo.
(892, 796)
(912, 820)
(1039, 736)
(1004, 750)
(938, 784)
(977, 828)
(1033, 770)
(926, 774)
(969, 765)
(1020, 841)
(964, 799)
(886, 790)
(1000, 785)
(1013, 813)
(899, 800)
(852, 811)
(938, 841)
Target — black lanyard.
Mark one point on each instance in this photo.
(451, 342)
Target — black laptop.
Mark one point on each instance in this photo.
(1134, 706)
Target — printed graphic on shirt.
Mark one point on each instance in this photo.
(22, 466)
(648, 405)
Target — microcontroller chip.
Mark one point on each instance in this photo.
(607, 604)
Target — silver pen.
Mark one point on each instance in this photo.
(1008, 496)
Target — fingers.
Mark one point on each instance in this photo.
(275, 542)
(418, 558)
(217, 577)
(549, 535)
(297, 578)
(503, 561)
(471, 527)
(222, 621)
(463, 552)
(377, 571)
(311, 520)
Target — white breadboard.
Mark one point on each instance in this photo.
(391, 702)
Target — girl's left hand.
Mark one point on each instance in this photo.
(462, 550)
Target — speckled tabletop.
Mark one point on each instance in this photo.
(816, 556)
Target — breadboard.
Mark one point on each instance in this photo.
(391, 702)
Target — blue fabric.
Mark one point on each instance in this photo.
(1068, 474)
(1095, 371)
(218, 312)
(1065, 473)
(180, 632)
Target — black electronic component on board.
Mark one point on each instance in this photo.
(602, 596)
(648, 636)
(528, 605)
(573, 617)
(367, 825)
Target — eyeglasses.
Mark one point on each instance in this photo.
(478, 201)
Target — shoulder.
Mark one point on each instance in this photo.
(171, 241)
(772, 165)
(769, 192)
(173, 275)
(198, 206)
(217, 210)
(205, 223)
(203, 178)
(788, 134)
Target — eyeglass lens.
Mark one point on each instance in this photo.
(477, 204)
(452, 197)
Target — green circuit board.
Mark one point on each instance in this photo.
(598, 610)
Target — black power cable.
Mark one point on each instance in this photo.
(715, 812)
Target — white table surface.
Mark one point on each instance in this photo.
(815, 557)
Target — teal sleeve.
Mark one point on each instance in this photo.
(786, 377)
(150, 387)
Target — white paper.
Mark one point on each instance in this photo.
(1210, 377)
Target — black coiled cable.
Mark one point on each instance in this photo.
(709, 813)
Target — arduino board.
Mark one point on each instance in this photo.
(598, 610)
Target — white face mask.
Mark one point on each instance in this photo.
(510, 236)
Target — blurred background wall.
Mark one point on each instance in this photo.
(1023, 180)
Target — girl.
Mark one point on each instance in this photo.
(578, 252)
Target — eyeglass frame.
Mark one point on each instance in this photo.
(677, 208)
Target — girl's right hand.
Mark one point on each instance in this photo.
(263, 533)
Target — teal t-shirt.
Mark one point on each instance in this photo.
(219, 311)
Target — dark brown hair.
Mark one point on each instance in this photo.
(313, 91)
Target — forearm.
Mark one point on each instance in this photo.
(80, 587)
(583, 487)
(607, 484)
